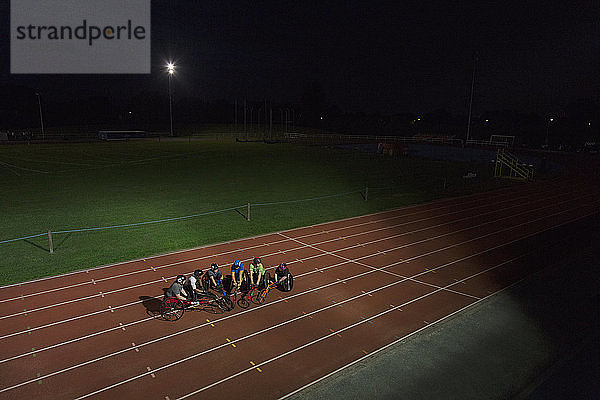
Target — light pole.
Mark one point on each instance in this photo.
(548, 131)
(251, 111)
(471, 100)
(285, 115)
(41, 118)
(170, 71)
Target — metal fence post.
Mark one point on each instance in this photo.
(248, 214)
(366, 192)
(50, 242)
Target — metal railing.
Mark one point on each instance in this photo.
(516, 169)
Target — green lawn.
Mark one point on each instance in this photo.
(70, 186)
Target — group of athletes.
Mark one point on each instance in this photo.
(200, 283)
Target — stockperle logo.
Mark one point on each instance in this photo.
(80, 36)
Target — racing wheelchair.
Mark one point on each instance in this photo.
(172, 308)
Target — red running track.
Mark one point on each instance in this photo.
(361, 284)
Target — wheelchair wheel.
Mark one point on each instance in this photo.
(233, 298)
(245, 285)
(224, 303)
(207, 296)
(258, 298)
(287, 285)
(171, 309)
(229, 302)
(243, 302)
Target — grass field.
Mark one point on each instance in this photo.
(70, 186)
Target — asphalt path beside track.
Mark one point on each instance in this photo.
(538, 339)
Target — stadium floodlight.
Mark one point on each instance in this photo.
(170, 71)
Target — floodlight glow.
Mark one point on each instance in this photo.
(551, 119)
(170, 68)
(171, 71)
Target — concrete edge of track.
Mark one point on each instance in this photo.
(533, 340)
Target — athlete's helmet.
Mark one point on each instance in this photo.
(236, 263)
(214, 267)
(256, 261)
(180, 279)
(198, 273)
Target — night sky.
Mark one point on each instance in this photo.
(377, 57)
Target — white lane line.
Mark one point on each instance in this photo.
(77, 339)
(298, 276)
(485, 194)
(333, 333)
(301, 236)
(403, 338)
(280, 241)
(285, 323)
(264, 305)
(163, 338)
(76, 318)
(308, 291)
(350, 247)
(446, 234)
(470, 240)
(86, 298)
(409, 259)
(381, 270)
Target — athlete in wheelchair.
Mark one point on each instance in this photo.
(213, 278)
(177, 290)
(256, 273)
(283, 277)
(193, 286)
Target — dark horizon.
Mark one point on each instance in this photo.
(377, 58)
